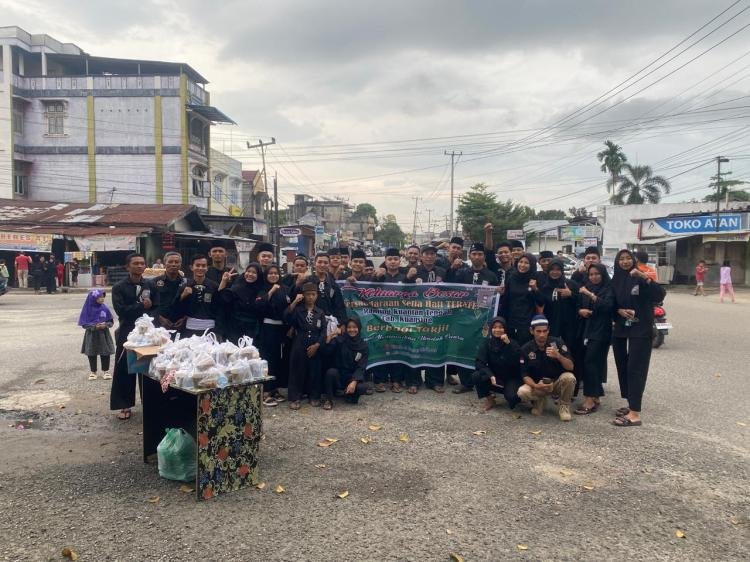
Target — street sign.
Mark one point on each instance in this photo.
(516, 235)
(572, 232)
(288, 231)
(319, 230)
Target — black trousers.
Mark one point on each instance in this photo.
(509, 388)
(122, 394)
(466, 376)
(413, 376)
(521, 334)
(305, 373)
(396, 372)
(595, 368)
(270, 341)
(92, 362)
(336, 380)
(434, 376)
(632, 358)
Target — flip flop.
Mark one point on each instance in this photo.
(396, 388)
(622, 412)
(294, 405)
(412, 390)
(123, 415)
(585, 411)
(626, 422)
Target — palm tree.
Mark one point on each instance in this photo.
(639, 185)
(612, 159)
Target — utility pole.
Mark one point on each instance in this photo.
(262, 145)
(277, 236)
(429, 223)
(414, 227)
(453, 155)
(719, 160)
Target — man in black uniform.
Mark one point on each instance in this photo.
(198, 299)
(345, 269)
(590, 257)
(264, 253)
(358, 268)
(391, 273)
(166, 287)
(477, 274)
(334, 262)
(516, 250)
(330, 300)
(300, 269)
(545, 256)
(428, 272)
(546, 368)
(412, 258)
(131, 298)
(455, 252)
(218, 266)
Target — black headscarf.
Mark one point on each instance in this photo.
(622, 282)
(495, 343)
(602, 269)
(556, 283)
(266, 283)
(530, 274)
(353, 345)
(247, 292)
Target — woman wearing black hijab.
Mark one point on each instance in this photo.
(595, 302)
(560, 303)
(520, 298)
(498, 366)
(350, 355)
(242, 300)
(272, 301)
(634, 297)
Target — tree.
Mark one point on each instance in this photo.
(390, 233)
(725, 191)
(365, 210)
(550, 214)
(639, 185)
(579, 213)
(612, 159)
(478, 206)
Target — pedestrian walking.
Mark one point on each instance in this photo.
(725, 281)
(635, 294)
(700, 277)
(60, 273)
(96, 319)
(22, 263)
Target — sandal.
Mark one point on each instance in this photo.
(396, 388)
(270, 401)
(620, 412)
(123, 415)
(294, 405)
(582, 411)
(626, 422)
(412, 390)
(380, 387)
(440, 389)
(315, 403)
(93, 377)
(327, 405)
(279, 398)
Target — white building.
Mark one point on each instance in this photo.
(80, 128)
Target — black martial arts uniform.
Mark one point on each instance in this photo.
(127, 300)
(167, 291)
(350, 359)
(330, 300)
(631, 344)
(201, 307)
(305, 374)
(596, 334)
(271, 336)
(519, 303)
(501, 360)
(243, 306)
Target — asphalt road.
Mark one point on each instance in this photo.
(528, 489)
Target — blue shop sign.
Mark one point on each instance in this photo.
(700, 224)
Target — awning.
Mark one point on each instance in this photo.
(242, 244)
(210, 113)
(25, 241)
(105, 243)
(648, 241)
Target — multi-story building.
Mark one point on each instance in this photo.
(332, 214)
(81, 128)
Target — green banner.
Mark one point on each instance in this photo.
(422, 325)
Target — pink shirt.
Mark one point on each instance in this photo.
(725, 275)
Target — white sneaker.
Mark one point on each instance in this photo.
(93, 376)
(106, 375)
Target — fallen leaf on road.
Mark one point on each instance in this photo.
(261, 485)
(536, 432)
(456, 557)
(279, 489)
(62, 406)
(186, 489)
(448, 532)
(516, 416)
(154, 499)
(366, 440)
(588, 487)
(679, 534)
(717, 375)
(343, 494)
(40, 381)
(739, 520)
(78, 412)
(522, 547)
(320, 466)
(566, 472)
(325, 444)
(375, 427)
(69, 553)
(331, 439)
(479, 432)
(742, 424)
(404, 438)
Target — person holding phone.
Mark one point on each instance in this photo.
(546, 369)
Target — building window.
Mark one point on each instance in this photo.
(20, 185)
(199, 181)
(17, 117)
(55, 114)
(219, 187)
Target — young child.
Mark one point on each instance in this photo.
(309, 324)
(350, 354)
(96, 319)
(725, 280)
(700, 277)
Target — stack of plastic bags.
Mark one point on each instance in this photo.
(146, 334)
(203, 362)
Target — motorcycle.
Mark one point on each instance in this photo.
(661, 326)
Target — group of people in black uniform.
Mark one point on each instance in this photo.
(552, 336)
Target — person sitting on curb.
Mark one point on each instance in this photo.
(546, 368)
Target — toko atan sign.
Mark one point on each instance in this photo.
(693, 224)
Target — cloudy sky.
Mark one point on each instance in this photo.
(364, 97)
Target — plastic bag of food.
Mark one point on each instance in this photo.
(177, 455)
(332, 325)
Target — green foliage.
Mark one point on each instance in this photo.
(579, 212)
(365, 210)
(638, 185)
(550, 214)
(725, 186)
(612, 160)
(478, 206)
(390, 233)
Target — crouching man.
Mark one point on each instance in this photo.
(546, 368)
